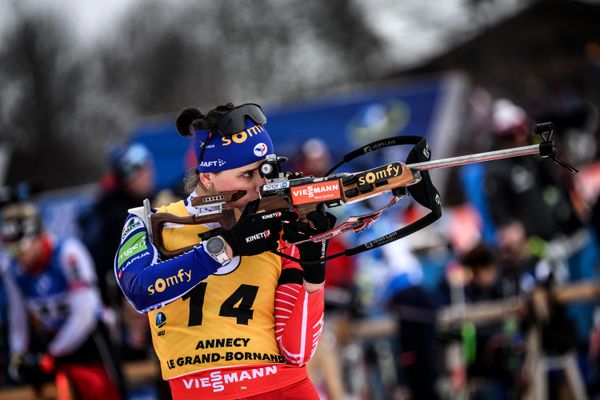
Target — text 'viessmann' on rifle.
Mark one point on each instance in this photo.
(292, 190)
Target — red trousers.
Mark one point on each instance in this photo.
(85, 382)
(303, 390)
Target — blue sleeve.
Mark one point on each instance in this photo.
(148, 282)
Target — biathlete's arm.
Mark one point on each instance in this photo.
(298, 314)
(146, 280)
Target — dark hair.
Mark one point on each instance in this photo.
(192, 119)
(479, 257)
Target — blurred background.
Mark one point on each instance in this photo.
(81, 81)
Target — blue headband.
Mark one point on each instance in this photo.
(229, 152)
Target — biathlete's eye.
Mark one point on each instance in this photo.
(249, 174)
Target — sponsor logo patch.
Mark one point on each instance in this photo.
(258, 236)
(131, 261)
(131, 225)
(161, 319)
(378, 174)
(275, 186)
(161, 284)
(216, 163)
(132, 246)
(260, 150)
(242, 136)
(316, 192)
(275, 214)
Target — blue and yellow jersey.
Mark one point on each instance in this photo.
(201, 315)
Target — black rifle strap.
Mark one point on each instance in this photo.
(374, 146)
(423, 192)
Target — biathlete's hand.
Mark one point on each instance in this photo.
(15, 367)
(296, 231)
(256, 233)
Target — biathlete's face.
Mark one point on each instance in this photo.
(26, 251)
(246, 178)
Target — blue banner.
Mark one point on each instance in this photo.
(344, 122)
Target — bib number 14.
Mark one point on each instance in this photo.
(238, 305)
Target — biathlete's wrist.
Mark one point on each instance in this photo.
(313, 287)
(230, 243)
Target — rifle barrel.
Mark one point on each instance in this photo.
(476, 158)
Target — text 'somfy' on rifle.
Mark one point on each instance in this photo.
(290, 190)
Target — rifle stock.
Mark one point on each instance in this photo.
(158, 220)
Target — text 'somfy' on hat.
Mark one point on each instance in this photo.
(239, 138)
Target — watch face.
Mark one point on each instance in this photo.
(215, 245)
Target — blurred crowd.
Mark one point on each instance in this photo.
(495, 301)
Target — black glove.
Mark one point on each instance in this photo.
(256, 233)
(296, 231)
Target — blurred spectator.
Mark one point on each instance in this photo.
(54, 310)
(486, 281)
(488, 357)
(315, 158)
(8, 194)
(390, 279)
(492, 356)
(131, 180)
(522, 189)
(451, 289)
(551, 347)
(532, 209)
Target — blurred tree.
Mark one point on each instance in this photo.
(145, 62)
(46, 104)
(164, 58)
(351, 37)
(60, 104)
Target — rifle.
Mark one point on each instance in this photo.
(292, 190)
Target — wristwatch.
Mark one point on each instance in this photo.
(215, 247)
